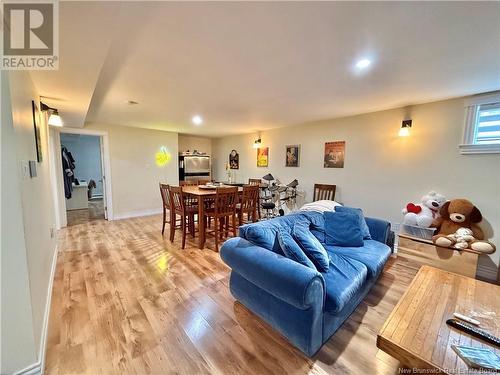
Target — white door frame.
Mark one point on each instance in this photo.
(61, 220)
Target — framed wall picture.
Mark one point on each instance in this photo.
(334, 154)
(36, 126)
(263, 157)
(234, 160)
(292, 158)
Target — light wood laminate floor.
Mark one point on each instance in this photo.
(94, 212)
(127, 301)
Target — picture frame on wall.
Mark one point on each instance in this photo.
(234, 160)
(263, 157)
(36, 126)
(292, 156)
(334, 155)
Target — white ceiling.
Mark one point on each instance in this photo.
(84, 41)
(253, 66)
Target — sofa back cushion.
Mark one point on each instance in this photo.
(292, 250)
(358, 211)
(343, 229)
(263, 233)
(262, 236)
(311, 246)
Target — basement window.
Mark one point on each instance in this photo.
(482, 125)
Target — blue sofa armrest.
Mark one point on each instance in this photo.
(281, 277)
(380, 230)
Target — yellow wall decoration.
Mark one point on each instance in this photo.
(163, 157)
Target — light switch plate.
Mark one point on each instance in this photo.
(25, 169)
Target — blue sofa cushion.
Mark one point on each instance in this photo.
(358, 211)
(263, 233)
(311, 246)
(343, 229)
(344, 280)
(317, 225)
(262, 236)
(373, 255)
(292, 250)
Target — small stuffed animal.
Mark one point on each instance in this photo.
(423, 214)
(456, 215)
(461, 238)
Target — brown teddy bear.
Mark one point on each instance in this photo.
(456, 214)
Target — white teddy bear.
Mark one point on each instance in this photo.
(423, 214)
(461, 238)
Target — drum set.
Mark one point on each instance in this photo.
(277, 199)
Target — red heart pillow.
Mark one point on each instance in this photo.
(413, 208)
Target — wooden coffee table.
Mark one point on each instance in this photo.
(416, 332)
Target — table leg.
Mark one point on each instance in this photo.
(201, 222)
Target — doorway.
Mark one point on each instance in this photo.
(81, 168)
(83, 178)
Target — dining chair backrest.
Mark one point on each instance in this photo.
(226, 199)
(324, 192)
(188, 183)
(254, 181)
(250, 197)
(177, 199)
(165, 196)
(204, 182)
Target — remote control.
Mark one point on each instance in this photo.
(474, 331)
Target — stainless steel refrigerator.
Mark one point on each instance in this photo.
(194, 167)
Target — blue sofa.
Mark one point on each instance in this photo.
(304, 305)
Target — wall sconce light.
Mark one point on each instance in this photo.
(54, 118)
(405, 128)
(257, 143)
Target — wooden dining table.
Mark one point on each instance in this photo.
(202, 195)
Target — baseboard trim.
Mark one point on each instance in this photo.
(45, 329)
(34, 369)
(128, 215)
(37, 368)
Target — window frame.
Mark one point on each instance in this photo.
(472, 106)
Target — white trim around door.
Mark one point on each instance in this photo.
(58, 183)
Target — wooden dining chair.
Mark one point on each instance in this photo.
(165, 198)
(224, 209)
(186, 212)
(249, 203)
(324, 192)
(258, 182)
(204, 182)
(254, 181)
(188, 183)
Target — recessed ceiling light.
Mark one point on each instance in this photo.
(197, 120)
(362, 64)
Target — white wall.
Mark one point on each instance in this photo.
(36, 193)
(191, 143)
(18, 348)
(86, 150)
(383, 171)
(35, 215)
(135, 175)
